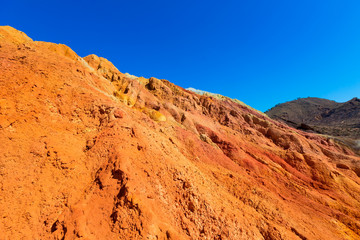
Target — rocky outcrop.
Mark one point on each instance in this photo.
(104, 67)
(90, 153)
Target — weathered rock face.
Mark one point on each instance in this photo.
(90, 153)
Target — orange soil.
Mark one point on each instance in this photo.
(90, 153)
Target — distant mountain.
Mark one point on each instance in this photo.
(321, 116)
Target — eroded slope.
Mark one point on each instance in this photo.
(90, 153)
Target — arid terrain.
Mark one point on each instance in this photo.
(340, 120)
(88, 152)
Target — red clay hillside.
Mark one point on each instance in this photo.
(88, 152)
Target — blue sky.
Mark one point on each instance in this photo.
(260, 52)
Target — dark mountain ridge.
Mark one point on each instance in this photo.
(341, 120)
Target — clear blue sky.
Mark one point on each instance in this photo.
(260, 52)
